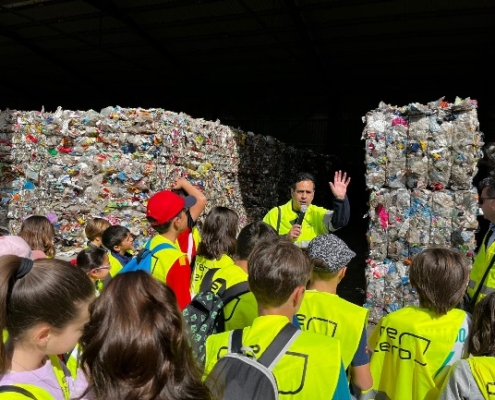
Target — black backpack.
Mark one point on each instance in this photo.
(204, 314)
(239, 376)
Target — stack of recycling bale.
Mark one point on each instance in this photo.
(74, 165)
(7, 172)
(420, 162)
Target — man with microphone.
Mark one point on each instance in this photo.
(301, 221)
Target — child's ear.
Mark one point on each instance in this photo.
(92, 274)
(176, 222)
(116, 249)
(297, 296)
(41, 334)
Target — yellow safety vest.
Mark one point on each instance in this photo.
(311, 227)
(202, 266)
(115, 265)
(98, 287)
(310, 369)
(193, 242)
(73, 361)
(35, 391)
(164, 259)
(196, 235)
(481, 263)
(61, 376)
(58, 370)
(483, 370)
(241, 311)
(330, 315)
(413, 350)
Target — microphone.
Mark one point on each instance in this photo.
(302, 213)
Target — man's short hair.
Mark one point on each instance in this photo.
(440, 276)
(251, 235)
(302, 176)
(275, 269)
(489, 184)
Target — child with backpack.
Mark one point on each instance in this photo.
(190, 238)
(272, 357)
(414, 347)
(323, 311)
(94, 261)
(243, 310)
(94, 231)
(474, 378)
(217, 245)
(225, 301)
(167, 214)
(135, 345)
(120, 244)
(38, 232)
(43, 310)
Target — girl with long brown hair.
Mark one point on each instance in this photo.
(38, 232)
(135, 346)
(217, 246)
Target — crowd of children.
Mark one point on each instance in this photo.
(94, 330)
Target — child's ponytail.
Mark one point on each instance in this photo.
(12, 268)
(44, 291)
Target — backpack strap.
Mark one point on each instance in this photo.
(226, 295)
(278, 220)
(279, 346)
(274, 352)
(207, 280)
(156, 249)
(235, 341)
(135, 263)
(234, 291)
(18, 390)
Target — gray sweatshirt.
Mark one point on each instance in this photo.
(461, 384)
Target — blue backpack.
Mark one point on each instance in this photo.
(143, 260)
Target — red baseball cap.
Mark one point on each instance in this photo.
(165, 205)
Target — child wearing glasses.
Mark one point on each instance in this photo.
(94, 262)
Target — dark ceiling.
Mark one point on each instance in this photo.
(247, 60)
